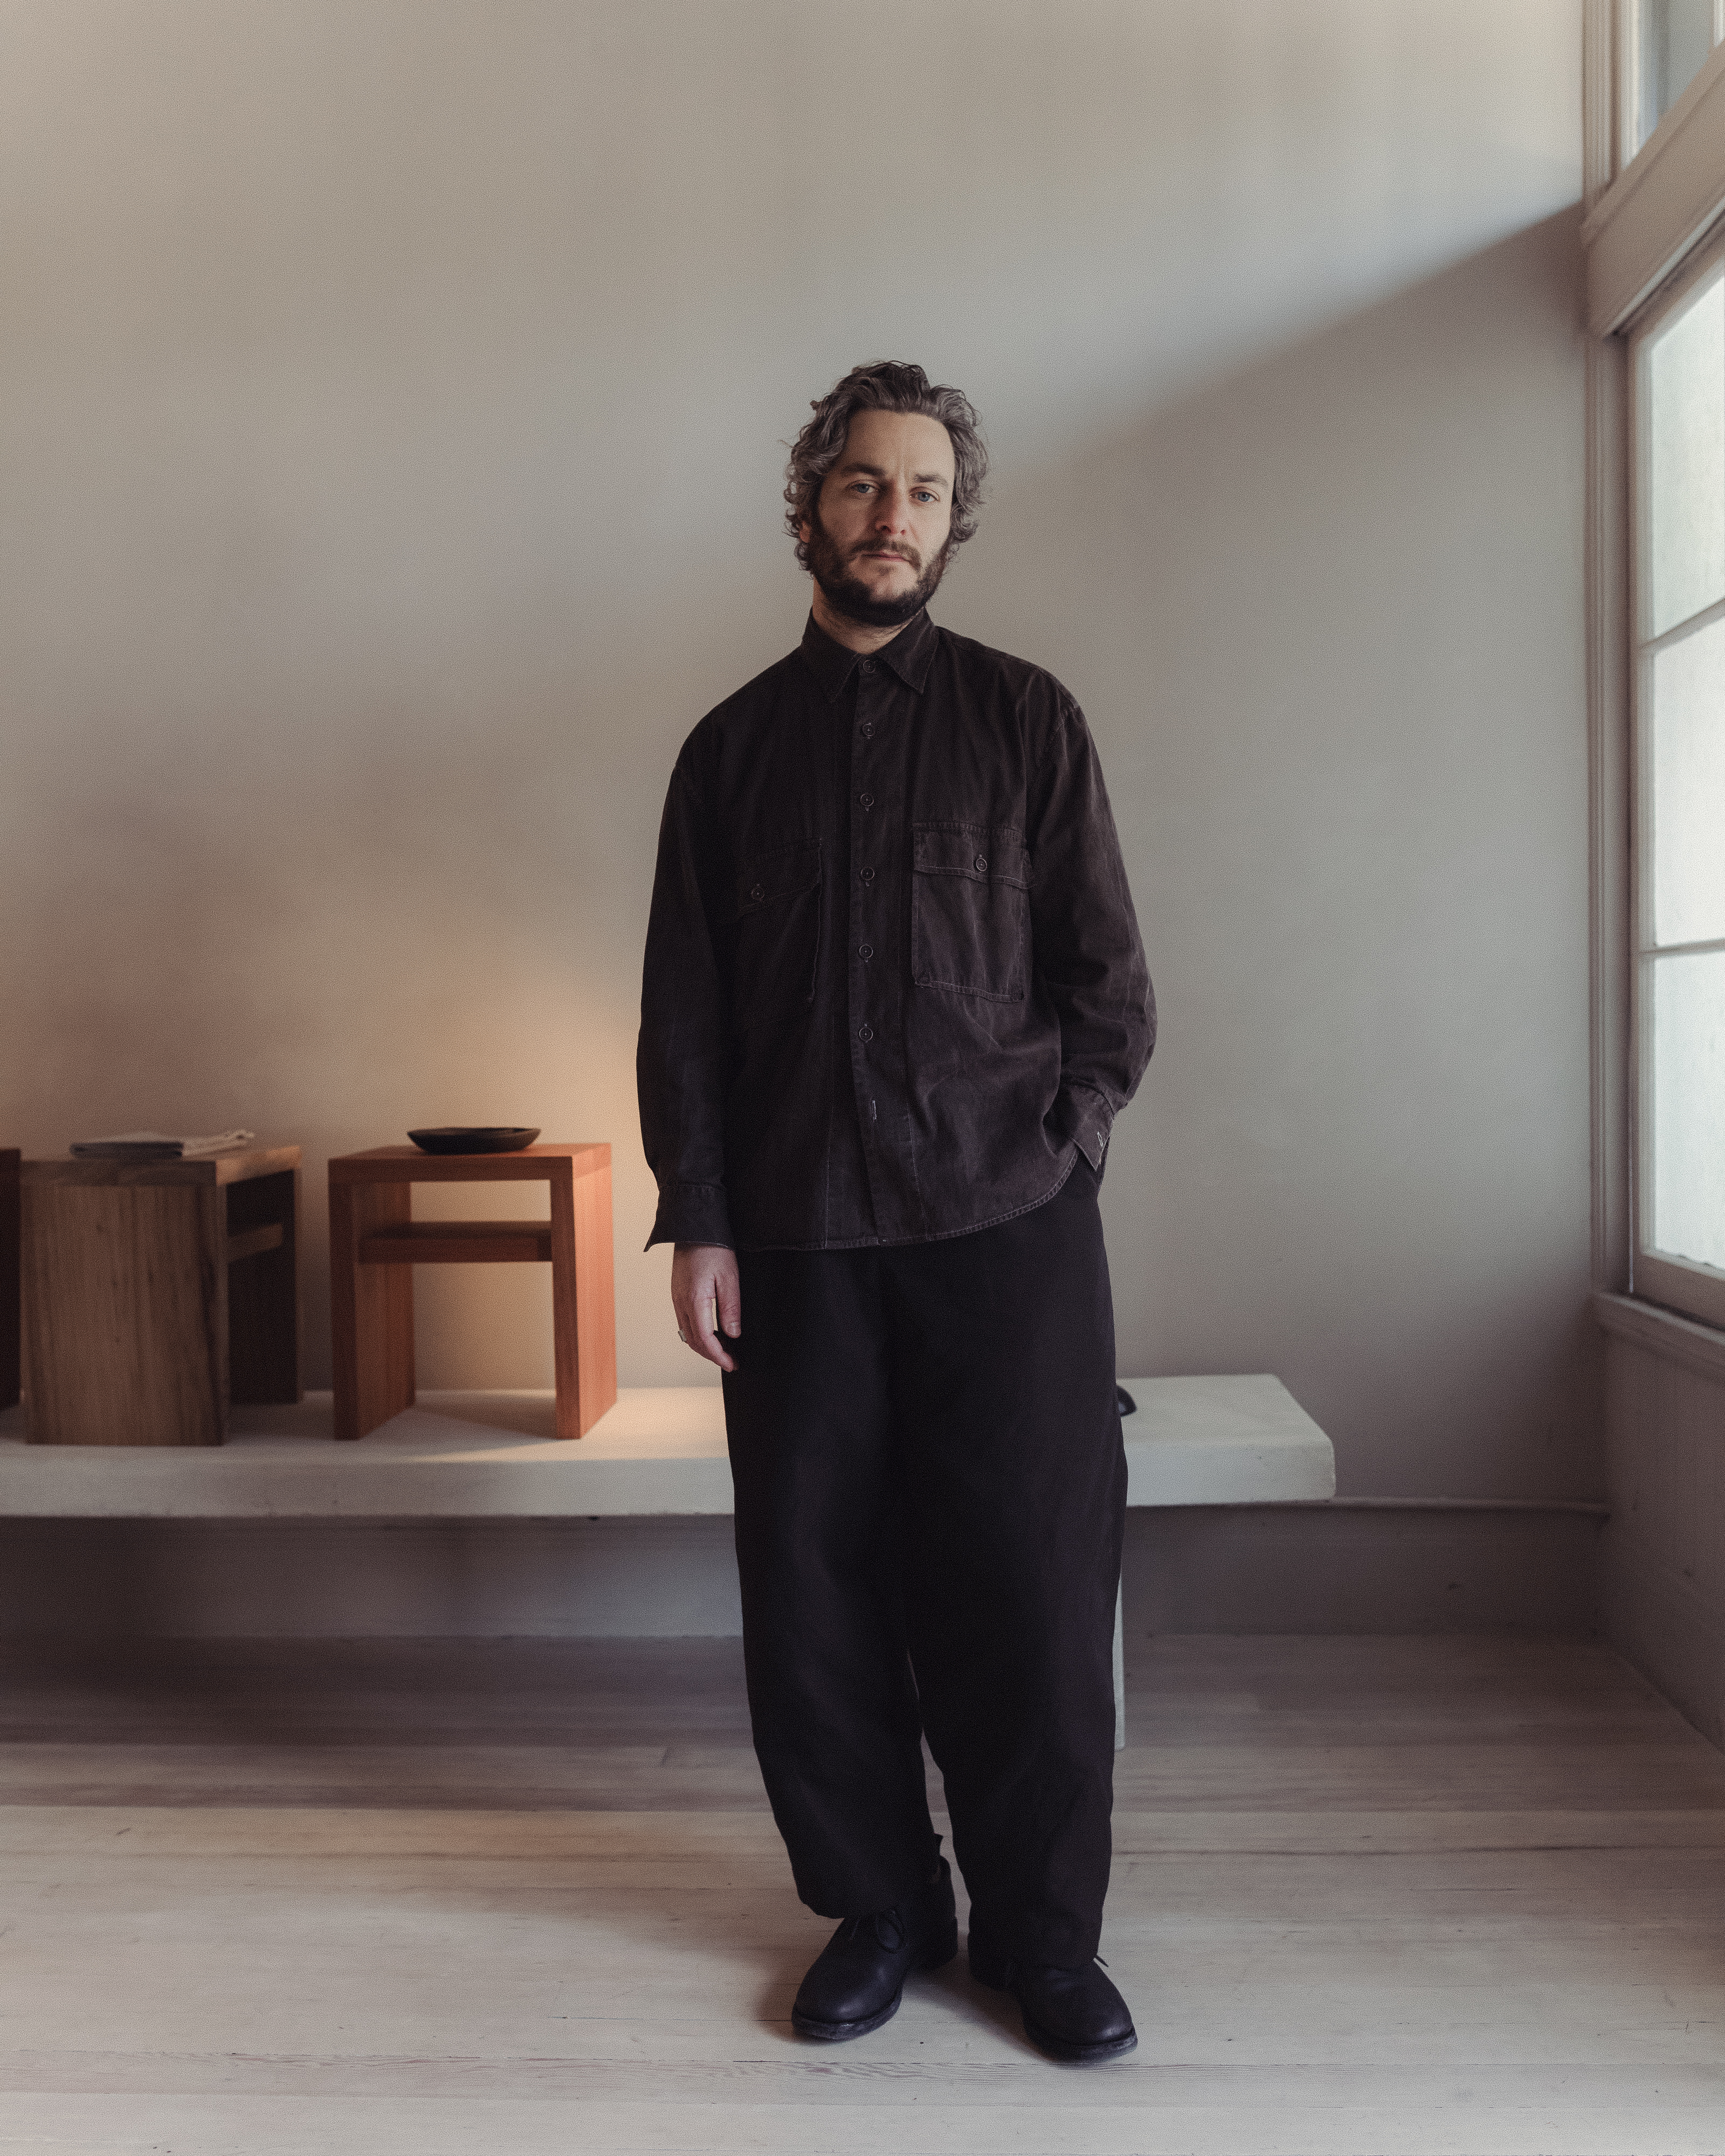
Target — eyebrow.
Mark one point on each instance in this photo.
(879, 471)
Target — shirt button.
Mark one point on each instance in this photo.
(867, 875)
(866, 799)
(759, 892)
(982, 862)
(869, 731)
(866, 1033)
(865, 950)
(867, 666)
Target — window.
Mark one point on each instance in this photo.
(1679, 697)
(1672, 39)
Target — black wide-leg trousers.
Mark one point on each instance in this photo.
(930, 1491)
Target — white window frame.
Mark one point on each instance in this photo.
(1651, 219)
(1647, 211)
(1681, 1284)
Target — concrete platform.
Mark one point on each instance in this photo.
(660, 1451)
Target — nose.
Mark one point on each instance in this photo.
(892, 509)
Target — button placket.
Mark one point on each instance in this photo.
(879, 742)
(864, 799)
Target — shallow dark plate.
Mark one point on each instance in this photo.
(482, 1138)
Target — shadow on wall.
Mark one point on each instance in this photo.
(1327, 619)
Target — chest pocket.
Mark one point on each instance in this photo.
(776, 931)
(970, 909)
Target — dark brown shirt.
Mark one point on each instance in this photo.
(894, 981)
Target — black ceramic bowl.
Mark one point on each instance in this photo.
(483, 1138)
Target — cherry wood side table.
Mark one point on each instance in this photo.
(375, 1242)
(157, 1291)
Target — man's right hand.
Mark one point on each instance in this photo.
(704, 1286)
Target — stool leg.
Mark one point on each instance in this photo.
(10, 1336)
(263, 1293)
(583, 1298)
(370, 1309)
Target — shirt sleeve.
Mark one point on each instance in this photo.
(1088, 952)
(682, 1055)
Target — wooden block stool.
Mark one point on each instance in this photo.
(155, 1292)
(375, 1242)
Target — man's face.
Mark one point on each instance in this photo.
(878, 543)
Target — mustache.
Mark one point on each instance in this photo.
(906, 554)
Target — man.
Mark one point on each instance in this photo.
(894, 998)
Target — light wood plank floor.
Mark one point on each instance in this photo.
(1459, 1898)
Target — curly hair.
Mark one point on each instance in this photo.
(885, 385)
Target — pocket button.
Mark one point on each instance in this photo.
(982, 862)
(758, 893)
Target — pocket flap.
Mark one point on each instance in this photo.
(786, 874)
(982, 852)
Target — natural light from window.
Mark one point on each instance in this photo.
(1682, 699)
(1674, 37)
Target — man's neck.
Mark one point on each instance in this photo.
(853, 636)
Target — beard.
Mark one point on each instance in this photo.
(848, 595)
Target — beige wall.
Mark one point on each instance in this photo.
(395, 391)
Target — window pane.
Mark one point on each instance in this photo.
(1688, 998)
(1686, 389)
(1689, 788)
(1676, 38)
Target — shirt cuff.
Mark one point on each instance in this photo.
(692, 1212)
(1087, 1119)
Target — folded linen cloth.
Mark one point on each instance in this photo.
(151, 1144)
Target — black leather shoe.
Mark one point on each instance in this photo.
(1071, 2014)
(858, 1979)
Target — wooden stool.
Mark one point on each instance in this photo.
(155, 1292)
(375, 1243)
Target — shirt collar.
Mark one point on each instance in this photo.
(910, 654)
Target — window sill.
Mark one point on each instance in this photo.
(1662, 1332)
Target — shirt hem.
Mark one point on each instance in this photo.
(942, 1236)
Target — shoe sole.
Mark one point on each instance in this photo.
(992, 1974)
(944, 1950)
(841, 2032)
(1079, 2054)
